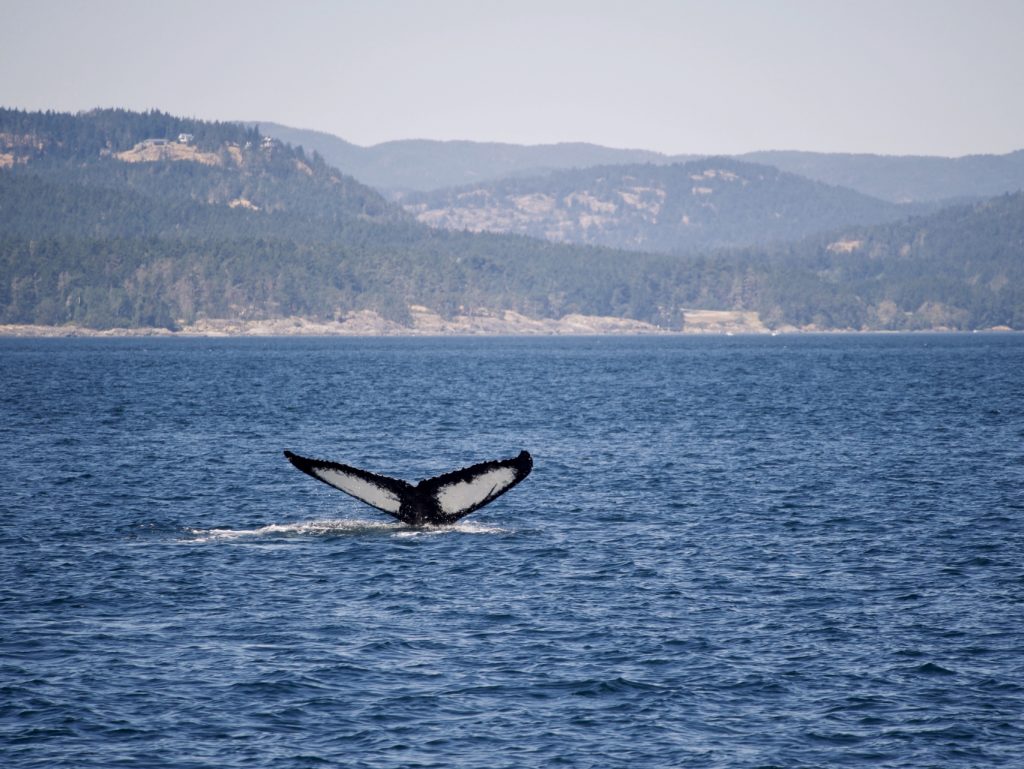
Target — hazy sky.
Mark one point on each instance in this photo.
(938, 77)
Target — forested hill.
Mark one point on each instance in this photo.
(678, 208)
(960, 268)
(155, 156)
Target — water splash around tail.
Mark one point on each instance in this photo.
(342, 527)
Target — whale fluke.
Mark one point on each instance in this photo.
(436, 501)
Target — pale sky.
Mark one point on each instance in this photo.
(933, 77)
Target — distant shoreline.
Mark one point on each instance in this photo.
(426, 323)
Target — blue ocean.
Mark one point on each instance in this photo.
(792, 551)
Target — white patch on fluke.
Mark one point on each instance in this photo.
(456, 497)
(368, 492)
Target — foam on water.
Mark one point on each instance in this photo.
(462, 527)
(339, 528)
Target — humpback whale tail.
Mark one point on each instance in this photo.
(436, 501)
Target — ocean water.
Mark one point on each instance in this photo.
(732, 552)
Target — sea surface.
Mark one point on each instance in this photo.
(793, 551)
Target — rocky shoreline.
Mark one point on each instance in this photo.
(425, 322)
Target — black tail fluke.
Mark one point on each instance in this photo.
(436, 501)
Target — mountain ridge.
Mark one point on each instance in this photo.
(405, 165)
(422, 165)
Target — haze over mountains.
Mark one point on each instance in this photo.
(118, 219)
(420, 164)
(423, 165)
